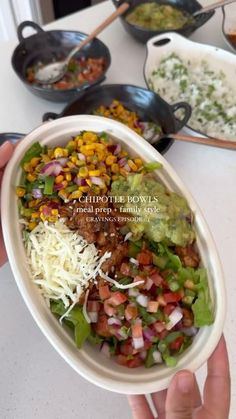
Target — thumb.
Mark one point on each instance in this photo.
(6, 151)
(180, 396)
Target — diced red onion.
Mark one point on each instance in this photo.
(133, 292)
(81, 156)
(80, 181)
(174, 318)
(62, 161)
(138, 343)
(142, 300)
(93, 315)
(105, 349)
(143, 355)
(190, 331)
(53, 168)
(114, 321)
(97, 181)
(148, 334)
(148, 284)
(58, 187)
(157, 357)
(126, 167)
(117, 149)
(37, 193)
(122, 162)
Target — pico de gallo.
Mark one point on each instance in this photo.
(140, 298)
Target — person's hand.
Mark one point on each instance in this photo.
(182, 400)
(6, 151)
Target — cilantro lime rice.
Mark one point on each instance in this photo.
(212, 97)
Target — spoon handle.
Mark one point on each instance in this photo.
(216, 142)
(213, 6)
(121, 9)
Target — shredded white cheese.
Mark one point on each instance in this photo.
(117, 284)
(61, 262)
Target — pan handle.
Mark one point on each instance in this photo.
(180, 123)
(26, 24)
(48, 116)
(12, 137)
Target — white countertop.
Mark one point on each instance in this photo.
(35, 382)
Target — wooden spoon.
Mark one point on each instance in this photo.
(215, 142)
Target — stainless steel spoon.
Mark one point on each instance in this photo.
(212, 7)
(53, 72)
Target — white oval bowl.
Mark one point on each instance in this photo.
(160, 46)
(89, 362)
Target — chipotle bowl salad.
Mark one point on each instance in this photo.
(115, 252)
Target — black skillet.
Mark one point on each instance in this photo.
(45, 46)
(148, 105)
(13, 137)
(187, 6)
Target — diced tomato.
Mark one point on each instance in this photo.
(156, 278)
(137, 331)
(101, 326)
(122, 360)
(135, 362)
(145, 257)
(109, 309)
(93, 306)
(139, 278)
(176, 345)
(172, 297)
(131, 312)
(125, 269)
(159, 326)
(152, 306)
(168, 309)
(104, 292)
(117, 298)
(163, 334)
(126, 348)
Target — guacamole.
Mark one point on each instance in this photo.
(164, 216)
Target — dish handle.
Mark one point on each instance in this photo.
(26, 24)
(50, 116)
(187, 111)
(163, 39)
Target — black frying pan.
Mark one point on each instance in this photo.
(148, 105)
(45, 46)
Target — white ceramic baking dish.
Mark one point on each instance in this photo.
(161, 46)
(89, 362)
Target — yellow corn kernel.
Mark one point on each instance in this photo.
(91, 167)
(138, 162)
(79, 142)
(132, 165)
(68, 177)
(96, 190)
(20, 191)
(104, 190)
(58, 152)
(110, 160)
(45, 158)
(89, 136)
(115, 168)
(101, 156)
(63, 194)
(75, 194)
(74, 159)
(115, 177)
(67, 169)
(33, 203)
(89, 182)
(88, 152)
(99, 147)
(65, 152)
(94, 172)
(27, 167)
(35, 161)
(54, 211)
(106, 177)
(59, 179)
(32, 225)
(50, 153)
(81, 163)
(70, 165)
(84, 188)
(83, 172)
(30, 177)
(123, 153)
(64, 183)
(35, 215)
(123, 172)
